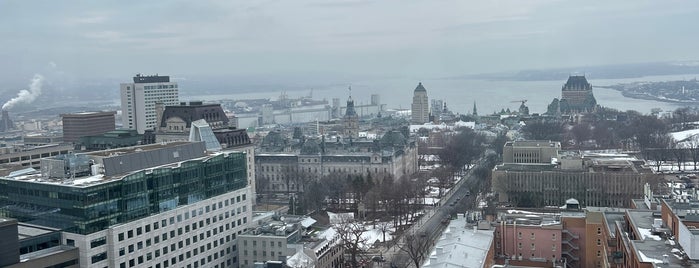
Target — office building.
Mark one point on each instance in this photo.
(531, 177)
(158, 205)
(79, 125)
(138, 100)
(420, 107)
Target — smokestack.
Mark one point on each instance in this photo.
(5, 122)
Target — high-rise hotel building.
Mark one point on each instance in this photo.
(158, 205)
(138, 100)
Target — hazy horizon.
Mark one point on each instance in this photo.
(272, 42)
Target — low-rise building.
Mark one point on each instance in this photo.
(463, 245)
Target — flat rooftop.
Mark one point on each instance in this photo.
(135, 149)
(25, 230)
(460, 245)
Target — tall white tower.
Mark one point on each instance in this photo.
(138, 100)
(420, 107)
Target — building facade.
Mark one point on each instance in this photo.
(420, 107)
(138, 100)
(602, 180)
(267, 243)
(523, 152)
(392, 156)
(158, 205)
(80, 125)
(31, 155)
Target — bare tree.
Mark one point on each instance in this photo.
(384, 227)
(693, 147)
(679, 155)
(445, 178)
(581, 133)
(350, 231)
(416, 247)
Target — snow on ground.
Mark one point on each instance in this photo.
(431, 200)
(681, 135)
(372, 234)
(671, 166)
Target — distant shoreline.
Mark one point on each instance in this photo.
(641, 96)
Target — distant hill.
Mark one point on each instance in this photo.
(595, 72)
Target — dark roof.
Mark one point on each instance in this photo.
(232, 137)
(420, 87)
(393, 138)
(577, 82)
(310, 147)
(194, 112)
(139, 78)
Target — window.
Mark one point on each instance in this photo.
(599, 242)
(553, 237)
(532, 236)
(98, 242)
(599, 231)
(533, 246)
(553, 248)
(99, 257)
(519, 245)
(121, 236)
(519, 235)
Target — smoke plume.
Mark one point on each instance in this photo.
(26, 95)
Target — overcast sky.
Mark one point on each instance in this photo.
(425, 38)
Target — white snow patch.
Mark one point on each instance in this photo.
(645, 233)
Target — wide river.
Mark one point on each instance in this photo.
(460, 94)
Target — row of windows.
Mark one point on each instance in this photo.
(160, 87)
(264, 243)
(194, 213)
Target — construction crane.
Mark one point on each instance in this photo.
(522, 101)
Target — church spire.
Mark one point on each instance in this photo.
(475, 111)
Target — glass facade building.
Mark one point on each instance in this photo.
(89, 209)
